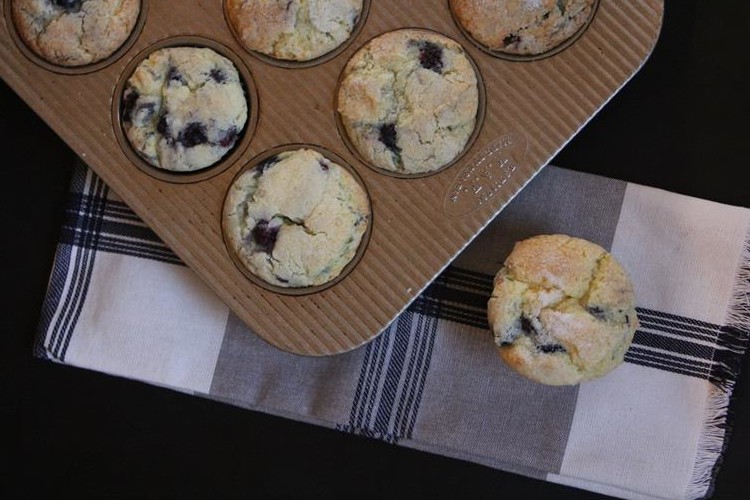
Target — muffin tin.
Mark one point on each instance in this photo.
(306, 63)
(254, 163)
(525, 57)
(251, 92)
(533, 108)
(479, 119)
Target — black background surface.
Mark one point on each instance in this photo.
(680, 124)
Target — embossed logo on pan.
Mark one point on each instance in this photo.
(485, 174)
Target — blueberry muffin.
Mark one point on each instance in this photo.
(295, 30)
(184, 108)
(74, 32)
(562, 310)
(522, 27)
(296, 219)
(408, 101)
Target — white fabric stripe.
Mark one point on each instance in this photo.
(60, 309)
(701, 365)
(675, 354)
(123, 220)
(694, 280)
(138, 331)
(739, 311)
(645, 405)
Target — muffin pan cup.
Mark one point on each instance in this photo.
(231, 157)
(74, 70)
(289, 63)
(481, 106)
(418, 225)
(522, 57)
(295, 291)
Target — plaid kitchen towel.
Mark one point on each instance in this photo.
(121, 302)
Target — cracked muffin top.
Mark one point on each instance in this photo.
(75, 32)
(408, 101)
(562, 310)
(184, 108)
(296, 219)
(522, 27)
(294, 30)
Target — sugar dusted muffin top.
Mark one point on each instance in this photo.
(408, 101)
(294, 30)
(522, 27)
(75, 32)
(184, 108)
(296, 219)
(562, 310)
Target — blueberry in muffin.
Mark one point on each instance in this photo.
(408, 101)
(296, 219)
(522, 27)
(74, 32)
(184, 108)
(293, 30)
(562, 310)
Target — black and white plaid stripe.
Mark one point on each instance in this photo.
(96, 224)
(664, 341)
(390, 385)
(71, 275)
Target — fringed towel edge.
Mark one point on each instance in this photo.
(717, 426)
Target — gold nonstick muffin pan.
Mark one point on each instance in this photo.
(529, 109)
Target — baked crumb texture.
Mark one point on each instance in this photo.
(522, 27)
(293, 30)
(184, 108)
(408, 101)
(562, 310)
(74, 32)
(296, 219)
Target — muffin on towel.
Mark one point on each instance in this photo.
(562, 310)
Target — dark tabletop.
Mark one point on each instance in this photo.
(680, 124)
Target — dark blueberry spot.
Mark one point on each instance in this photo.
(546, 15)
(192, 135)
(504, 343)
(148, 109)
(388, 137)
(265, 236)
(431, 56)
(596, 312)
(511, 39)
(163, 127)
(282, 280)
(266, 164)
(128, 103)
(550, 348)
(173, 75)
(228, 139)
(68, 5)
(323, 165)
(218, 75)
(527, 326)
(627, 320)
